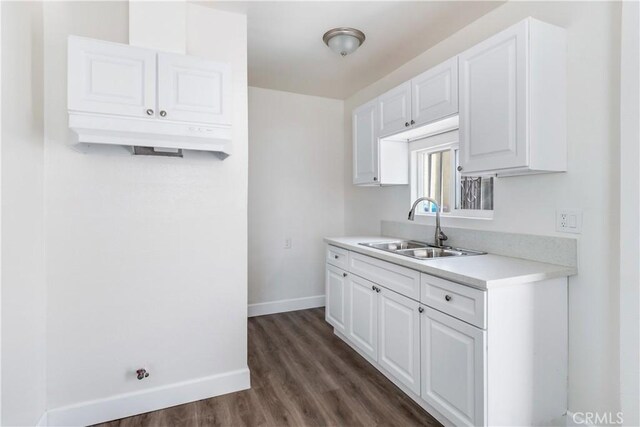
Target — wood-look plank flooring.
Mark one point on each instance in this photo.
(301, 375)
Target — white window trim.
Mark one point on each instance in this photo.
(439, 142)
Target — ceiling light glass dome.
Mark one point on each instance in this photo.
(343, 40)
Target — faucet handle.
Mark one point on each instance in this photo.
(443, 236)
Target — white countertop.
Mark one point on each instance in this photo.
(480, 271)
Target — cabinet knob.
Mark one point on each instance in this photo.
(375, 178)
(378, 289)
(413, 122)
(420, 310)
(163, 113)
(344, 274)
(447, 297)
(406, 124)
(149, 112)
(459, 168)
(373, 288)
(336, 256)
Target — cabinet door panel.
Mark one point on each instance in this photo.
(394, 109)
(493, 103)
(399, 338)
(363, 316)
(194, 89)
(434, 94)
(453, 367)
(365, 144)
(336, 295)
(111, 78)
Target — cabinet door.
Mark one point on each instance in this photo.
(394, 110)
(193, 89)
(399, 338)
(365, 144)
(434, 94)
(336, 295)
(453, 368)
(493, 102)
(362, 328)
(111, 78)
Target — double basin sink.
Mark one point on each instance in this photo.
(420, 250)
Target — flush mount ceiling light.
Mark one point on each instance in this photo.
(343, 40)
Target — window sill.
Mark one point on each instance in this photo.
(463, 214)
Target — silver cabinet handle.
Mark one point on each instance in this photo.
(149, 112)
(373, 288)
(406, 124)
(447, 297)
(344, 274)
(420, 310)
(163, 113)
(378, 289)
(459, 168)
(375, 178)
(336, 256)
(413, 122)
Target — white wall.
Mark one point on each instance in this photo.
(296, 190)
(23, 284)
(630, 213)
(146, 256)
(528, 204)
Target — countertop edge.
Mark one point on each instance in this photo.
(561, 271)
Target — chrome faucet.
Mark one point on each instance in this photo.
(440, 236)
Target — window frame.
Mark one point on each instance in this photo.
(448, 140)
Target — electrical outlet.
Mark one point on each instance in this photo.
(569, 221)
(287, 243)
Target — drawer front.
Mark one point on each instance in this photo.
(460, 301)
(338, 257)
(399, 279)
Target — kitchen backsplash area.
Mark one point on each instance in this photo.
(550, 249)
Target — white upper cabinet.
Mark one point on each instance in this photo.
(365, 144)
(453, 368)
(513, 102)
(126, 95)
(434, 93)
(394, 110)
(111, 78)
(193, 89)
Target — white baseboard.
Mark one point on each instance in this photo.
(281, 306)
(128, 404)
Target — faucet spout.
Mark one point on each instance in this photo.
(439, 234)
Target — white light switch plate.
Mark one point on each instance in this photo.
(569, 221)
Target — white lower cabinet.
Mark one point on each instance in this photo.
(453, 366)
(437, 349)
(362, 328)
(399, 346)
(336, 295)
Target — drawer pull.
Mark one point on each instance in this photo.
(344, 274)
(336, 256)
(447, 297)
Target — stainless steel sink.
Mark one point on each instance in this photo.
(397, 245)
(420, 250)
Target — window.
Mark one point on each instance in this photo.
(435, 174)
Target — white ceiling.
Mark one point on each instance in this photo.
(286, 51)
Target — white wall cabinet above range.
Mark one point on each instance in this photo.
(513, 102)
(509, 92)
(127, 95)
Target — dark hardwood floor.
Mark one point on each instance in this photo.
(301, 375)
